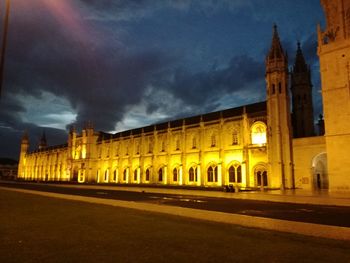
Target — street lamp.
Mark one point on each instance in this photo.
(4, 43)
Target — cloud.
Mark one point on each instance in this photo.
(126, 10)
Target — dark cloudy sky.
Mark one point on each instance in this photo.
(128, 63)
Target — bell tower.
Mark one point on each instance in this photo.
(22, 155)
(278, 112)
(43, 141)
(301, 87)
(334, 54)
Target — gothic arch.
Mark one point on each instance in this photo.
(175, 173)
(234, 172)
(261, 178)
(212, 173)
(320, 171)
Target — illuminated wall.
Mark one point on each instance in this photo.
(215, 149)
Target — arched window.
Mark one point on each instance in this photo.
(232, 174)
(106, 175)
(212, 174)
(115, 175)
(235, 173)
(124, 174)
(258, 133)
(177, 146)
(261, 176)
(147, 175)
(160, 175)
(239, 174)
(234, 137)
(135, 175)
(137, 150)
(116, 150)
(273, 89)
(213, 140)
(193, 174)
(279, 87)
(175, 172)
(194, 143)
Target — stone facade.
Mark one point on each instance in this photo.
(334, 53)
(215, 149)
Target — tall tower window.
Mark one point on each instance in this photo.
(273, 89)
(279, 88)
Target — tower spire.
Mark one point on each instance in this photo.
(299, 64)
(301, 88)
(276, 59)
(43, 142)
(276, 50)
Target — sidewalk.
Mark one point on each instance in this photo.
(288, 196)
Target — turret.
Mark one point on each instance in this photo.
(22, 156)
(42, 142)
(278, 112)
(301, 87)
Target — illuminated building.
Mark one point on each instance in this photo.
(250, 146)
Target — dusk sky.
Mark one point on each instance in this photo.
(123, 64)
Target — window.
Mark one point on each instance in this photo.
(147, 175)
(115, 175)
(232, 174)
(212, 174)
(106, 176)
(239, 174)
(177, 145)
(150, 147)
(135, 175)
(273, 89)
(194, 143)
(163, 146)
(213, 140)
(125, 174)
(261, 177)
(160, 175)
(193, 174)
(259, 133)
(137, 148)
(116, 150)
(234, 137)
(175, 172)
(127, 150)
(279, 88)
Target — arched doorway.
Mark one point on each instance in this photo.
(320, 174)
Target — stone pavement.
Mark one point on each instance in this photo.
(316, 230)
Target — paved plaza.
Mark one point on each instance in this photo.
(40, 229)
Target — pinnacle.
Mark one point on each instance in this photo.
(276, 50)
